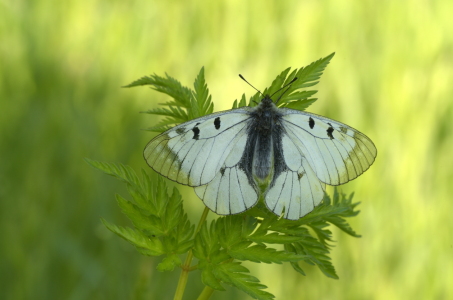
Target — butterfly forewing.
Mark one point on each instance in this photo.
(193, 152)
(336, 152)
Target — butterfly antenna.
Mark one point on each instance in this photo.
(286, 85)
(242, 77)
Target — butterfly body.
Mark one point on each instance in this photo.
(228, 156)
(264, 130)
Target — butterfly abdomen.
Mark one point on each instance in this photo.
(263, 157)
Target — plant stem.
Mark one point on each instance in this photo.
(206, 293)
(186, 266)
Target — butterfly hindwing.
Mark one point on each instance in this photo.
(336, 152)
(296, 192)
(230, 192)
(192, 153)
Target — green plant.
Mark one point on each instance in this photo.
(161, 227)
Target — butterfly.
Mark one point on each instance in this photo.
(286, 156)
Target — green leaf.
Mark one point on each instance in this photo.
(277, 83)
(173, 112)
(144, 244)
(183, 235)
(149, 224)
(274, 238)
(324, 235)
(203, 104)
(208, 250)
(173, 212)
(300, 104)
(207, 247)
(161, 226)
(209, 279)
(340, 200)
(306, 77)
(261, 253)
(242, 102)
(186, 104)
(169, 263)
(167, 85)
(234, 274)
(295, 265)
(316, 253)
(229, 230)
(123, 173)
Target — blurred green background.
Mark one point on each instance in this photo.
(62, 64)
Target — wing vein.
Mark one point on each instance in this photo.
(334, 162)
(240, 188)
(342, 158)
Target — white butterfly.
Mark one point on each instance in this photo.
(287, 156)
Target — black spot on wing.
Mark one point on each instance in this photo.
(329, 131)
(217, 123)
(222, 171)
(311, 123)
(300, 175)
(180, 130)
(196, 133)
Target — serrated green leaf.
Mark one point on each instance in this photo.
(158, 128)
(209, 279)
(299, 96)
(146, 245)
(155, 214)
(173, 211)
(121, 172)
(295, 265)
(150, 224)
(297, 268)
(166, 85)
(261, 253)
(324, 235)
(313, 71)
(172, 112)
(142, 200)
(229, 230)
(277, 83)
(204, 105)
(183, 234)
(306, 77)
(160, 193)
(206, 244)
(274, 238)
(145, 80)
(241, 103)
(300, 105)
(334, 212)
(317, 253)
(169, 263)
(235, 274)
(340, 200)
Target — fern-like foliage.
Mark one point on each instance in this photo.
(161, 227)
(186, 104)
(291, 97)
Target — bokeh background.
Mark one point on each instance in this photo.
(62, 64)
